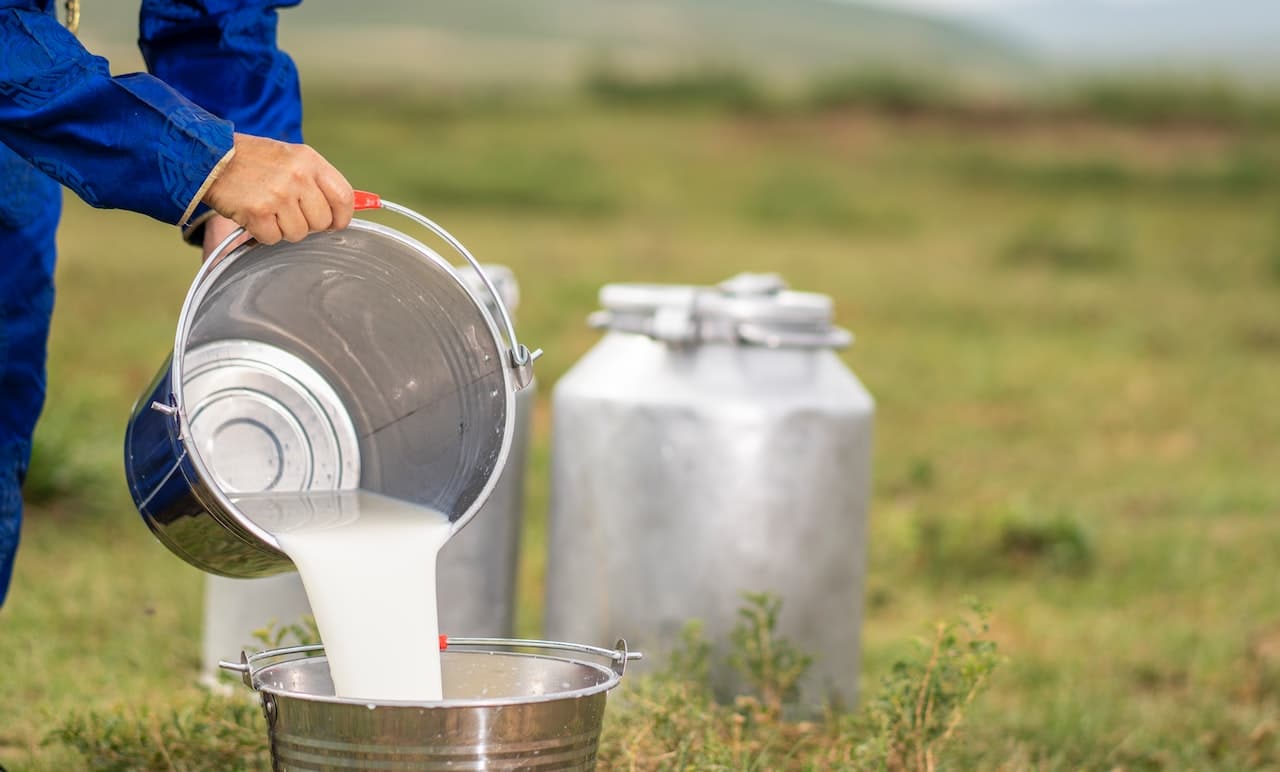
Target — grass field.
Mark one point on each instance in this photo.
(1071, 329)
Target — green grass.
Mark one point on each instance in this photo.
(1076, 384)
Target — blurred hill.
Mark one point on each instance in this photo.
(552, 42)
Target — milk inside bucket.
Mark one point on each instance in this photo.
(508, 704)
(350, 361)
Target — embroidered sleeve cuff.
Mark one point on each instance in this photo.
(186, 221)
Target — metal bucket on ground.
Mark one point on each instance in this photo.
(356, 358)
(711, 444)
(502, 710)
(476, 569)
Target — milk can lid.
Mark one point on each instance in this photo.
(750, 309)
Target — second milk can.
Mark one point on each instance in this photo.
(712, 444)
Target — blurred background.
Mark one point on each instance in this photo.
(1054, 226)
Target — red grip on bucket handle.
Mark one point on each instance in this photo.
(444, 642)
(366, 200)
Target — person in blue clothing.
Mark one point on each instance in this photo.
(209, 138)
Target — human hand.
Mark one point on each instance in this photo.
(278, 190)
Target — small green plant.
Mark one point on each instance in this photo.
(217, 734)
(671, 719)
(770, 664)
(275, 635)
(921, 707)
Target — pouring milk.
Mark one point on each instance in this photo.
(368, 564)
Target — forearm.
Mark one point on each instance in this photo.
(129, 142)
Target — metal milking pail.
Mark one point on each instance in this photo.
(710, 445)
(356, 358)
(538, 708)
(476, 568)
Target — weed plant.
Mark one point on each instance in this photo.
(671, 719)
(666, 720)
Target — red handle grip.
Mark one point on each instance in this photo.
(366, 200)
(444, 642)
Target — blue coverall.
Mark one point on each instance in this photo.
(143, 142)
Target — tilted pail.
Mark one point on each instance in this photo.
(476, 568)
(356, 358)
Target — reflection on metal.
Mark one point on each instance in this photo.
(712, 444)
(502, 710)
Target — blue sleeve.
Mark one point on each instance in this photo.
(222, 55)
(129, 142)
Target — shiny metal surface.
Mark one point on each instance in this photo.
(416, 361)
(751, 308)
(267, 421)
(685, 474)
(476, 570)
(502, 711)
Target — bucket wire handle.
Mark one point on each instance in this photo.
(520, 355)
(619, 656)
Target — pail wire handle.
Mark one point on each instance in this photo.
(619, 656)
(521, 356)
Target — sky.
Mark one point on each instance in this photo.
(1237, 36)
(984, 5)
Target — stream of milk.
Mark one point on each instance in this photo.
(368, 564)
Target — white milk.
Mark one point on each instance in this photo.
(368, 564)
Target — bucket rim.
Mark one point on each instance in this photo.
(611, 678)
(224, 511)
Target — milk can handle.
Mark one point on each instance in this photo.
(521, 357)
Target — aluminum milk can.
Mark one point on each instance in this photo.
(476, 568)
(712, 444)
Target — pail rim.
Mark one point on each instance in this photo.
(292, 656)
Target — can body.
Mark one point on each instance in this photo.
(686, 476)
